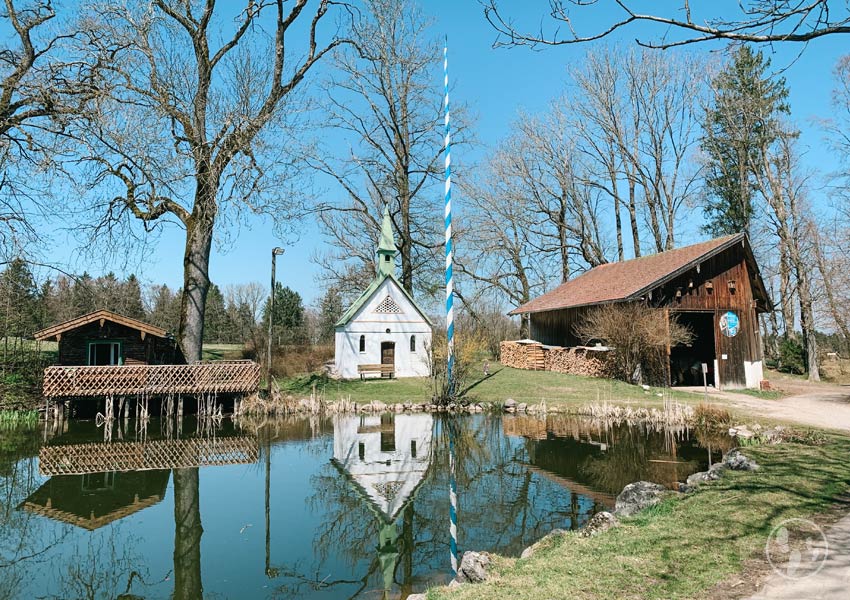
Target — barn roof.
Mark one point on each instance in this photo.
(367, 294)
(631, 279)
(98, 315)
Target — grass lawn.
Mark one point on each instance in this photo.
(684, 546)
(221, 351)
(504, 382)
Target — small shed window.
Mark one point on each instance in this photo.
(413, 343)
(362, 343)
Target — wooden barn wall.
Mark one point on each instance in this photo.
(73, 345)
(556, 327)
(696, 296)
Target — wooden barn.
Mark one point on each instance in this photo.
(105, 338)
(713, 287)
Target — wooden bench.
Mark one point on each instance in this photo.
(388, 370)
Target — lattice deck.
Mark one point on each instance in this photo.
(80, 459)
(238, 376)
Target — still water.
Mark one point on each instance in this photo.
(321, 508)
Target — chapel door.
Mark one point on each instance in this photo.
(387, 355)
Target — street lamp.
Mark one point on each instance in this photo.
(275, 253)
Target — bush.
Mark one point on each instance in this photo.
(791, 357)
(639, 335)
(288, 361)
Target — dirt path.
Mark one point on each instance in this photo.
(831, 582)
(825, 406)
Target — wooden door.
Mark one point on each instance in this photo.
(731, 353)
(387, 354)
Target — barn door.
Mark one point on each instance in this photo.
(387, 354)
(730, 350)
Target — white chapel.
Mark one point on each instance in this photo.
(384, 333)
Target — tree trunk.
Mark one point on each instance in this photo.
(196, 284)
(786, 297)
(618, 224)
(633, 217)
(187, 535)
(807, 324)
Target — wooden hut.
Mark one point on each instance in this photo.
(713, 287)
(105, 338)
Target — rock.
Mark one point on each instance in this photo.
(379, 406)
(417, 597)
(599, 523)
(473, 567)
(637, 496)
(684, 488)
(738, 462)
(742, 432)
(536, 545)
(509, 405)
(713, 474)
(522, 407)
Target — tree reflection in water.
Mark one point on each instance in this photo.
(187, 535)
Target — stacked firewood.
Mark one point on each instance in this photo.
(535, 356)
(578, 361)
(522, 355)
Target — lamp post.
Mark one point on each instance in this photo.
(275, 253)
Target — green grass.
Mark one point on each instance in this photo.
(684, 546)
(504, 382)
(16, 418)
(221, 351)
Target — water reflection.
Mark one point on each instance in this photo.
(353, 506)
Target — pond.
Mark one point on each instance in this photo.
(317, 508)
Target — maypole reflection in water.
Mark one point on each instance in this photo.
(452, 501)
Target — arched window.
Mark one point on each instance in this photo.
(413, 343)
(362, 343)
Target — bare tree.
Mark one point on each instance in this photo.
(385, 101)
(188, 127)
(37, 83)
(757, 21)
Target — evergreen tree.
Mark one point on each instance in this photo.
(748, 105)
(19, 300)
(165, 308)
(215, 318)
(131, 299)
(330, 310)
(288, 318)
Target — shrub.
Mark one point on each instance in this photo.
(639, 335)
(791, 357)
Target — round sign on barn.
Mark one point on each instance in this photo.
(729, 324)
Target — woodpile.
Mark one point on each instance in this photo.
(529, 355)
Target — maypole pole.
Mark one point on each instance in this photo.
(450, 326)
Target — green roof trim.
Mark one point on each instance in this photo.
(387, 241)
(367, 295)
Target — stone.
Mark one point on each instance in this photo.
(736, 461)
(637, 496)
(599, 523)
(473, 567)
(522, 407)
(536, 545)
(417, 597)
(510, 405)
(742, 432)
(713, 474)
(684, 488)
(379, 406)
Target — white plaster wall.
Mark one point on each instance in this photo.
(374, 326)
(753, 373)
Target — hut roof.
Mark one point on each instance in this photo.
(631, 279)
(99, 315)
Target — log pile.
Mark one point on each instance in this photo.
(574, 361)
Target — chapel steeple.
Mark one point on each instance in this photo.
(386, 246)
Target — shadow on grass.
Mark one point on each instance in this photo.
(471, 386)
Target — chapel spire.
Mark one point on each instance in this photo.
(386, 246)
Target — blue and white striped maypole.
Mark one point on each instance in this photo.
(450, 325)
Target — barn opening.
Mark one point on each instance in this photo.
(686, 361)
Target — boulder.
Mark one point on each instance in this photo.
(379, 406)
(510, 405)
(599, 523)
(637, 496)
(685, 488)
(736, 461)
(714, 473)
(417, 597)
(742, 432)
(473, 567)
(536, 545)
(522, 407)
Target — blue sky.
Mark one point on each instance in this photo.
(495, 84)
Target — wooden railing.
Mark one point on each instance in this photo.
(95, 457)
(237, 376)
